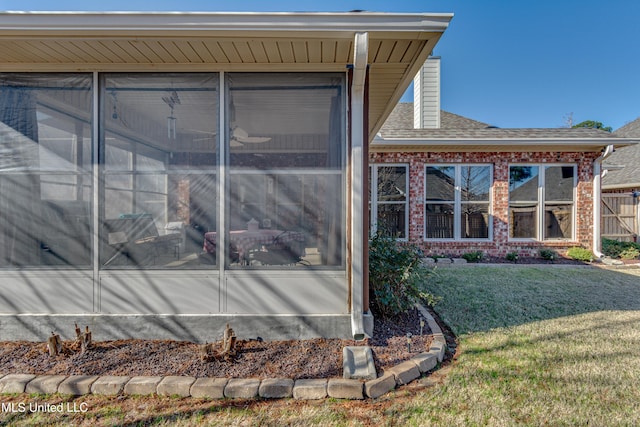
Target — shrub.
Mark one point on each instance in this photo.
(580, 254)
(611, 248)
(475, 256)
(397, 276)
(630, 253)
(614, 248)
(548, 254)
(512, 256)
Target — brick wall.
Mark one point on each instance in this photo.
(500, 245)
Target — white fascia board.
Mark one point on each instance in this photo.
(611, 167)
(168, 22)
(422, 142)
(625, 186)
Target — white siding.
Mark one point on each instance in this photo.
(426, 95)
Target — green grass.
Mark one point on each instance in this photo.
(540, 346)
(579, 370)
(478, 299)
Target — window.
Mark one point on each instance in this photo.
(286, 176)
(388, 199)
(45, 170)
(159, 144)
(457, 199)
(541, 201)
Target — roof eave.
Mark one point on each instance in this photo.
(392, 73)
(507, 145)
(340, 24)
(626, 185)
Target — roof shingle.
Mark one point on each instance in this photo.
(402, 118)
(629, 157)
(399, 125)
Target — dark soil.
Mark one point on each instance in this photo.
(315, 358)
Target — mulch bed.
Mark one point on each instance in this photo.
(296, 359)
(533, 260)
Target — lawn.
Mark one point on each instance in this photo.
(538, 346)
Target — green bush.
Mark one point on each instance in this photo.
(630, 253)
(475, 256)
(614, 248)
(397, 277)
(548, 254)
(512, 256)
(580, 254)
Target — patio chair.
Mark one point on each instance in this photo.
(134, 239)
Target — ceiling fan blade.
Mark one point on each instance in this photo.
(239, 133)
(254, 139)
(235, 143)
(202, 131)
(242, 135)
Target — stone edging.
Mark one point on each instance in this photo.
(219, 388)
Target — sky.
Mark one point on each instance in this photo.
(509, 63)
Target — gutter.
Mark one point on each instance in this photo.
(513, 144)
(360, 57)
(597, 199)
(342, 24)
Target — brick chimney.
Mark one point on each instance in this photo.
(426, 95)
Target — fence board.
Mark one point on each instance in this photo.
(619, 217)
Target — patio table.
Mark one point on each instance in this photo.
(244, 240)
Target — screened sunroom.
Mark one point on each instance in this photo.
(162, 185)
(158, 196)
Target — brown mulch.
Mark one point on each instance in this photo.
(558, 261)
(532, 260)
(296, 359)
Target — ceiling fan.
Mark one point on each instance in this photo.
(239, 136)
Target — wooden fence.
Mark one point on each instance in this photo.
(619, 217)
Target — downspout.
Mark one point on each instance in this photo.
(597, 191)
(360, 57)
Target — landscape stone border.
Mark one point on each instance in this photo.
(236, 388)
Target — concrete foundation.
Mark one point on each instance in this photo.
(194, 328)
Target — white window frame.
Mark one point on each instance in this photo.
(540, 223)
(457, 203)
(374, 202)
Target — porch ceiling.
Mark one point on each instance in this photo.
(119, 41)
